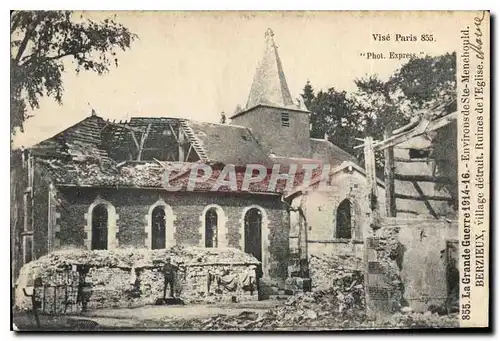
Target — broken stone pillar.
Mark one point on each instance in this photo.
(377, 292)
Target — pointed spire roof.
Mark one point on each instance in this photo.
(269, 85)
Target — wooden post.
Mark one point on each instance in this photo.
(368, 253)
(181, 142)
(376, 296)
(371, 177)
(141, 144)
(390, 200)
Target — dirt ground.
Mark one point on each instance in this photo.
(147, 317)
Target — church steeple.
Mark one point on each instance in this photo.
(279, 122)
(269, 85)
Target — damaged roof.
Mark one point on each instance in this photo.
(84, 155)
(229, 144)
(151, 175)
(79, 141)
(95, 138)
(325, 150)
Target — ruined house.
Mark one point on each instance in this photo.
(416, 245)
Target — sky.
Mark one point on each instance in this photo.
(198, 64)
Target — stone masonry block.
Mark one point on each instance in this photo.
(375, 268)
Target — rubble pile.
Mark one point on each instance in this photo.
(133, 277)
(409, 319)
(342, 306)
(325, 269)
(321, 311)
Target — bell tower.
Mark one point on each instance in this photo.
(277, 121)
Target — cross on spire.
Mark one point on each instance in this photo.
(269, 85)
(269, 36)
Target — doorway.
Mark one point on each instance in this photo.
(253, 233)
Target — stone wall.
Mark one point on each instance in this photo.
(325, 269)
(40, 209)
(321, 206)
(184, 221)
(130, 278)
(423, 269)
(336, 247)
(265, 123)
(406, 264)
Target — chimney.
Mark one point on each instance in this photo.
(326, 137)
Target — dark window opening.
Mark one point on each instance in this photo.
(343, 230)
(211, 228)
(285, 119)
(28, 249)
(419, 153)
(253, 233)
(100, 227)
(158, 220)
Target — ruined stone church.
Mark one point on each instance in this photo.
(99, 184)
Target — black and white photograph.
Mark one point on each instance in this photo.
(249, 171)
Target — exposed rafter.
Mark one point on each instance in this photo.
(423, 127)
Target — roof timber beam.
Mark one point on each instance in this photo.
(422, 198)
(135, 139)
(422, 178)
(426, 201)
(189, 152)
(141, 144)
(173, 131)
(423, 127)
(122, 126)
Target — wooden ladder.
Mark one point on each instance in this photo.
(193, 140)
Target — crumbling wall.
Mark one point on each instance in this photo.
(423, 269)
(406, 264)
(325, 269)
(336, 247)
(132, 277)
(321, 206)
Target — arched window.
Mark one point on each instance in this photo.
(211, 228)
(344, 223)
(100, 227)
(158, 222)
(160, 226)
(253, 233)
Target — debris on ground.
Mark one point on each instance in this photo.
(342, 306)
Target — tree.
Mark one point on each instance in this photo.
(417, 85)
(308, 94)
(333, 113)
(42, 40)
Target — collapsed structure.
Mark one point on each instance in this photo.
(99, 185)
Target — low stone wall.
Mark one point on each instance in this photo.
(72, 280)
(325, 269)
